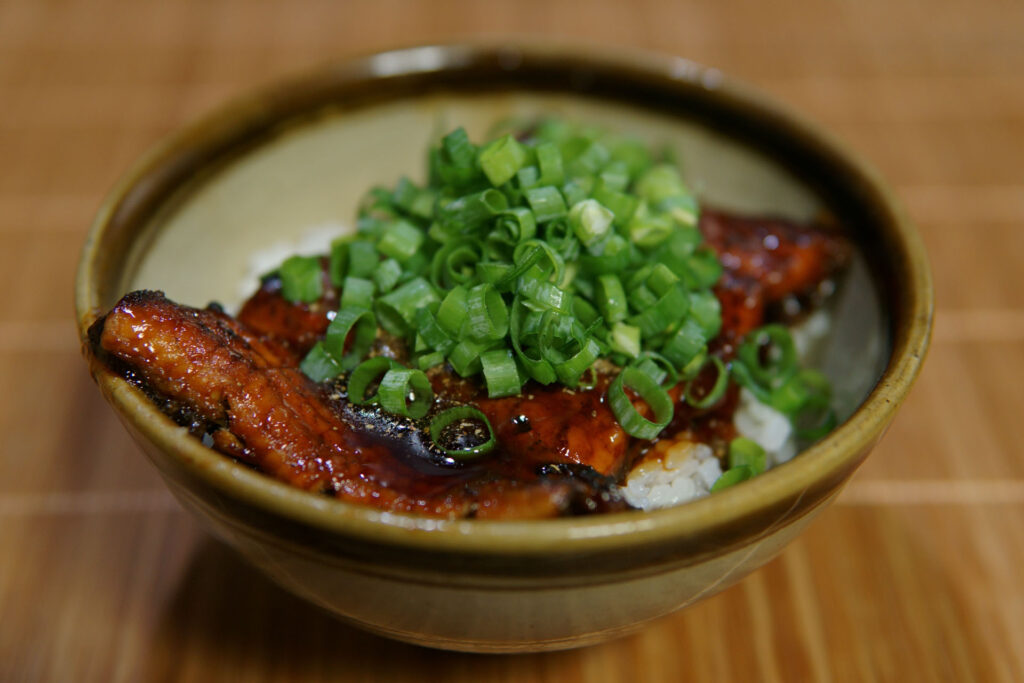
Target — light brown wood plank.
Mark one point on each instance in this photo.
(148, 597)
(912, 575)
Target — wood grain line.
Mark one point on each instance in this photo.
(86, 503)
(933, 492)
(761, 626)
(972, 205)
(52, 212)
(953, 326)
(807, 618)
(20, 336)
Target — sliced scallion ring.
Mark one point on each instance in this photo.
(362, 380)
(486, 313)
(459, 414)
(405, 392)
(301, 279)
(500, 373)
(319, 365)
(659, 368)
(731, 477)
(650, 392)
(744, 451)
(717, 391)
(349, 336)
(769, 355)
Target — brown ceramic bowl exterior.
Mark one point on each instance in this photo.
(512, 586)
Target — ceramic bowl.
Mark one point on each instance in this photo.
(297, 156)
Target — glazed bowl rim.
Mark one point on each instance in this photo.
(830, 460)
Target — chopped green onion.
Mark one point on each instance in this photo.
(541, 254)
(528, 258)
(459, 150)
(536, 365)
(500, 373)
(453, 416)
(800, 389)
(357, 292)
(454, 263)
(501, 159)
(417, 201)
(400, 240)
(492, 273)
(396, 310)
(685, 344)
(633, 154)
(610, 256)
(348, 349)
(624, 206)
(535, 288)
(559, 235)
(431, 331)
(405, 392)
(455, 162)
(745, 452)
(660, 182)
(472, 211)
(650, 392)
(546, 202)
(577, 189)
(590, 221)
(768, 355)
(338, 261)
(387, 275)
(625, 339)
(486, 314)
(364, 380)
(465, 357)
(319, 365)
(815, 420)
(516, 224)
(706, 311)
(731, 477)
(806, 398)
(703, 269)
(429, 360)
(302, 279)
(615, 176)
(691, 369)
(571, 369)
(452, 313)
(682, 208)
(657, 367)
(717, 390)
(661, 279)
(660, 315)
(587, 157)
(362, 258)
(527, 177)
(549, 159)
(648, 229)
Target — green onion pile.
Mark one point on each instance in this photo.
(528, 259)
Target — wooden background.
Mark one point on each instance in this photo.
(915, 574)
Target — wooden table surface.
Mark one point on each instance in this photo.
(913, 575)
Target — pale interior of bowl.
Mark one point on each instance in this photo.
(299, 187)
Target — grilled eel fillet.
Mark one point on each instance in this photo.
(237, 381)
(247, 393)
